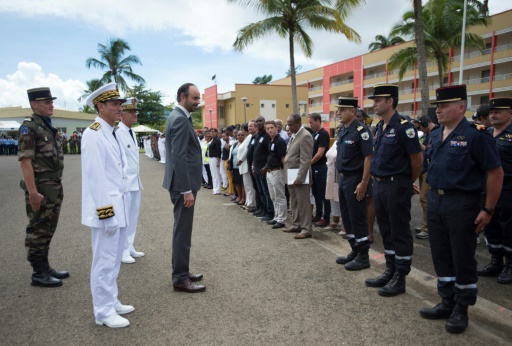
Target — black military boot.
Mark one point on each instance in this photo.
(361, 261)
(40, 276)
(394, 287)
(494, 268)
(458, 321)
(55, 273)
(383, 279)
(345, 259)
(440, 311)
(506, 275)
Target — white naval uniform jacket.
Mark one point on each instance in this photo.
(131, 150)
(103, 176)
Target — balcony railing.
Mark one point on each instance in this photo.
(503, 76)
(406, 91)
(342, 82)
(315, 104)
(375, 75)
(313, 88)
(484, 52)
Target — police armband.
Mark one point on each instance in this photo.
(105, 212)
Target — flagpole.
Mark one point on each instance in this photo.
(463, 42)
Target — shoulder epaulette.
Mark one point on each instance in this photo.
(95, 126)
(360, 128)
(478, 127)
(28, 119)
(404, 121)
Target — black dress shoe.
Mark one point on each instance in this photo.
(278, 225)
(252, 210)
(195, 277)
(189, 287)
(272, 222)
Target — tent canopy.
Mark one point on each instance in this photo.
(9, 125)
(143, 128)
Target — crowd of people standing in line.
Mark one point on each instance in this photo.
(8, 145)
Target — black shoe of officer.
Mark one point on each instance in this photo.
(40, 277)
(394, 287)
(494, 268)
(55, 273)
(345, 259)
(506, 275)
(362, 261)
(381, 280)
(458, 321)
(440, 311)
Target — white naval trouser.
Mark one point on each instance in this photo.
(215, 171)
(132, 200)
(107, 252)
(250, 194)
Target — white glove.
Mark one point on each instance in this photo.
(111, 226)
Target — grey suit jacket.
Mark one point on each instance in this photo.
(299, 154)
(184, 162)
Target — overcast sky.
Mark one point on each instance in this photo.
(46, 43)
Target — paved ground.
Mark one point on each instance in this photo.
(263, 287)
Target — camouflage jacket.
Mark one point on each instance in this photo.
(37, 142)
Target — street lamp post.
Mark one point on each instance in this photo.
(244, 100)
(210, 110)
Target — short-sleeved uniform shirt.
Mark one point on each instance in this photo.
(392, 147)
(277, 150)
(261, 145)
(461, 161)
(41, 143)
(353, 145)
(504, 146)
(320, 140)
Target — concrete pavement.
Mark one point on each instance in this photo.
(263, 286)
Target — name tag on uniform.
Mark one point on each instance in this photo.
(349, 141)
(252, 142)
(272, 147)
(316, 137)
(390, 135)
(261, 140)
(459, 144)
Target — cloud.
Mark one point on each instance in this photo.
(30, 75)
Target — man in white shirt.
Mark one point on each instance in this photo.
(128, 142)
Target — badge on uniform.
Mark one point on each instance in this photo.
(24, 130)
(261, 140)
(458, 144)
(252, 142)
(272, 147)
(410, 133)
(316, 137)
(508, 135)
(349, 141)
(365, 136)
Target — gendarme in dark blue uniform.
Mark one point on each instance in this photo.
(458, 165)
(354, 144)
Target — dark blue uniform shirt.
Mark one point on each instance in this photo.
(504, 146)
(353, 145)
(461, 161)
(393, 145)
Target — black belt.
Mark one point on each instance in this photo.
(391, 178)
(442, 192)
(349, 174)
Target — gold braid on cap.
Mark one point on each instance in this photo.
(105, 212)
(106, 96)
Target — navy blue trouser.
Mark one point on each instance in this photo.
(323, 206)
(264, 193)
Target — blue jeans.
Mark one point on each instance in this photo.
(318, 189)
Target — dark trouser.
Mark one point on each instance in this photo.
(209, 174)
(43, 223)
(498, 233)
(318, 188)
(393, 211)
(182, 237)
(353, 212)
(257, 195)
(261, 182)
(451, 229)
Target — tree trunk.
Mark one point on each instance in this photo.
(440, 72)
(292, 75)
(422, 56)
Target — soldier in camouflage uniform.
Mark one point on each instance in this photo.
(64, 144)
(40, 154)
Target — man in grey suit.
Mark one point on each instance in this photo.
(298, 157)
(183, 169)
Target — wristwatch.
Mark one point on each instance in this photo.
(488, 211)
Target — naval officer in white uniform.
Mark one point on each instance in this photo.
(103, 208)
(128, 142)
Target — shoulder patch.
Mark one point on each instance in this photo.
(410, 133)
(365, 136)
(95, 126)
(24, 130)
(28, 119)
(359, 128)
(404, 121)
(478, 127)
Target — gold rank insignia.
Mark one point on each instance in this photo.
(105, 212)
(95, 126)
(403, 121)
(478, 127)
(359, 128)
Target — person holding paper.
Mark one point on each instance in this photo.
(297, 165)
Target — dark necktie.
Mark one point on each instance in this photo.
(114, 134)
(131, 135)
(190, 119)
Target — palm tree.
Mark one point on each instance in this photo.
(422, 56)
(442, 23)
(112, 59)
(92, 85)
(382, 41)
(290, 19)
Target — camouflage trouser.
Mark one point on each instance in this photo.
(43, 223)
